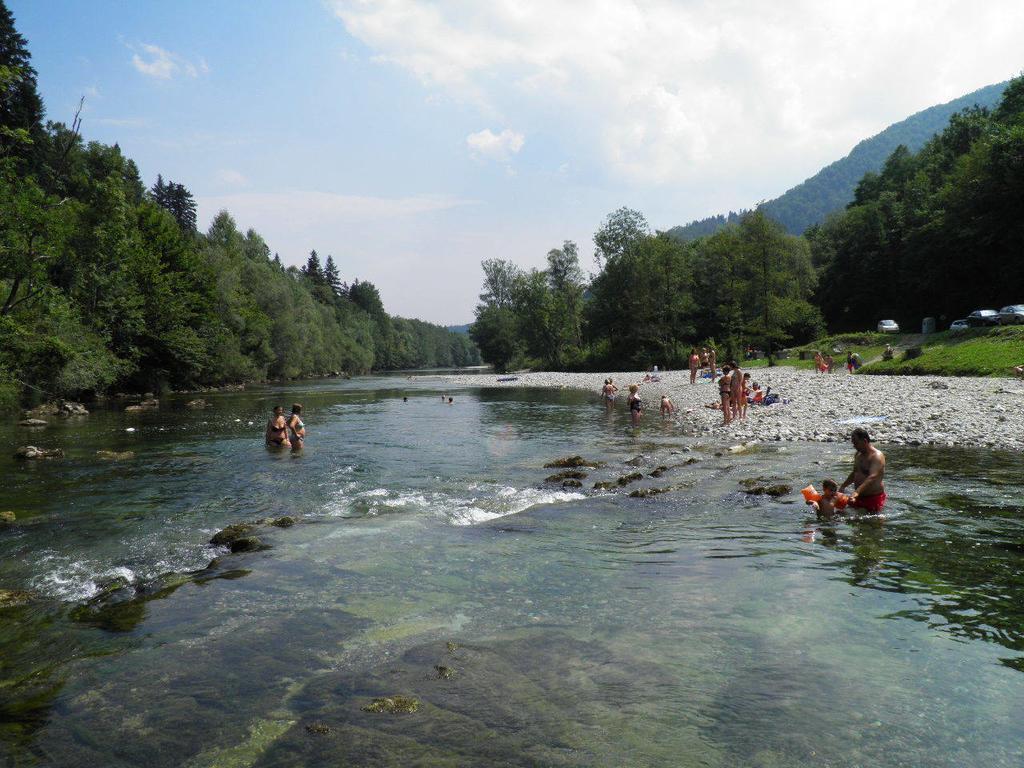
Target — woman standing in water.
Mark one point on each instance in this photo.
(636, 406)
(608, 393)
(296, 429)
(277, 429)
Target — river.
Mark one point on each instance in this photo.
(533, 624)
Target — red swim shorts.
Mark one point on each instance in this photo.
(870, 503)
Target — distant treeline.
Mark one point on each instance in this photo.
(937, 234)
(105, 285)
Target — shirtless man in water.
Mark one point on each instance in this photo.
(868, 474)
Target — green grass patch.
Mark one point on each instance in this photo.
(975, 352)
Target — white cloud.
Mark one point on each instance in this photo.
(156, 62)
(231, 177)
(671, 91)
(488, 145)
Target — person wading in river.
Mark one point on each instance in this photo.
(868, 474)
(277, 429)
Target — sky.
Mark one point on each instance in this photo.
(411, 140)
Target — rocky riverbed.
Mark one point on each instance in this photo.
(907, 410)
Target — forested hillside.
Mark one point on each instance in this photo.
(832, 188)
(105, 285)
(937, 233)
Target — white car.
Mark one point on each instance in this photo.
(888, 326)
(959, 325)
(1012, 315)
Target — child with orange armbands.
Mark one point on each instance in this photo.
(829, 500)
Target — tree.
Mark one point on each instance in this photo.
(499, 282)
(620, 230)
(21, 108)
(176, 200)
(313, 272)
(331, 277)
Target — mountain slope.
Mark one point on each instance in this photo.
(831, 188)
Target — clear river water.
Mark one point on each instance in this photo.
(533, 624)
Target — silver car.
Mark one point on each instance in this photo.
(959, 325)
(1012, 315)
(888, 326)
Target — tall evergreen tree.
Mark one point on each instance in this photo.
(331, 276)
(313, 271)
(21, 108)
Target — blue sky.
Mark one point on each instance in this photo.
(410, 140)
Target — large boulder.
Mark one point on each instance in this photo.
(70, 408)
(31, 452)
(46, 409)
(231, 534)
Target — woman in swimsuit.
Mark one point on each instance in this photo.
(694, 365)
(277, 429)
(636, 406)
(736, 397)
(296, 429)
(725, 392)
(608, 391)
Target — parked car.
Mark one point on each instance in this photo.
(888, 326)
(1012, 315)
(959, 325)
(980, 318)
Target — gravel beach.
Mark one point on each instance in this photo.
(907, 410)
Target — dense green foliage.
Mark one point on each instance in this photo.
(105, 285)
(939, 233)
(653, 298)
(976, 352)
(832, 188)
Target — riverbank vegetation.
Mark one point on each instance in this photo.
(975, 352)
(107, 285)
(938, 233)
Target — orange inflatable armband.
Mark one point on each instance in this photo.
(810, 494)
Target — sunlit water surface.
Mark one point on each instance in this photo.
(534, 624)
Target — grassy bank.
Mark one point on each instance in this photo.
(975, 352)
(867, 345)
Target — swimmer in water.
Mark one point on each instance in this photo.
(827, 504)
(277, 429)
(296, 429)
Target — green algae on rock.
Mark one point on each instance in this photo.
(569, 474)
(570, 462)
(12, 597)
(443, 672)
(392, 705)
(227, 536)
(643, 493)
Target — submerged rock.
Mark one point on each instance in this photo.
(572, 484)
(636, 461)
(393, 705)
(32, 423)
(659, 471)
(13, 597)
(31, 452)
(247, 544)
(572, 461)
(632, 477)
(7, 517)
(115, 455)
(287, 521)
(231, 534)
(443, 672)
(197, 404)
(569, 474)
(605, 485)
(643, 493)
(452, 647)
(318, 729)
(757, 488)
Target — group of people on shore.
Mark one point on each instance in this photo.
(286, 432)
(705, 360)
